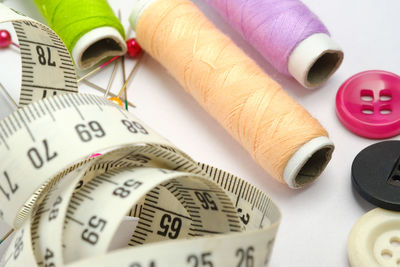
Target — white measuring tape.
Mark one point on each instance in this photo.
(142, 175)
(68, 208)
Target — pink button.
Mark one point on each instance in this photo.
(368, 104)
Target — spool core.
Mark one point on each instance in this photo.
(308, 162)
(314, 60)
(96, 45)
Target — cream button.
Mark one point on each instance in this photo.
(374, 240)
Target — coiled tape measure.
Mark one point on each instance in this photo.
(68, 207)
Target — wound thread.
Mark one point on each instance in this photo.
(89, 29)
(71, 19)
(276, 27)
(231, 87)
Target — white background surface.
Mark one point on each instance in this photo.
(316, 220)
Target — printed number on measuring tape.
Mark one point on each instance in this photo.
(47, 67)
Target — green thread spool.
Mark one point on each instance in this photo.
(89, 28)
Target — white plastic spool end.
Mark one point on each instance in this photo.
(308, 162)
(314, 60)
(96, 45)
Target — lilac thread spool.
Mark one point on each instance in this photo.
(287, 34)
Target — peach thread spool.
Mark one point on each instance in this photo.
(280, 135)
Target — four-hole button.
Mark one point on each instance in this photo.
(368, 104)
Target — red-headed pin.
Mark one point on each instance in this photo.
(5, 39)
(134, 48)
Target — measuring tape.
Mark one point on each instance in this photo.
(140, 174)
(47, 67)
(68, 207)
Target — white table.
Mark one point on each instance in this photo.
(316, 220)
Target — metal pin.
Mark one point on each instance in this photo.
(4, 238)
(98, 88)
(131, 74)
(97, 69)
(123, 64)
(124, 80)
(8, 95)
(111, 78)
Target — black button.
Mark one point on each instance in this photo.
(376, 174)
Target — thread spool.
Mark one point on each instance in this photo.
(89, 29)
(282, 136)
(287, 34)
